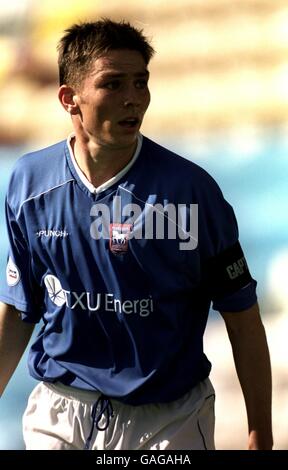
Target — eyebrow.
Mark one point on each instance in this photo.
(107, 75)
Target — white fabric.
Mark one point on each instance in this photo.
(59, 418)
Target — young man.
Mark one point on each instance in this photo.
(120, 246)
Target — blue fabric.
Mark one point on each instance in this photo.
(129, 325)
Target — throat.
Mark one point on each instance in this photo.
(100, 167)
(97, 178)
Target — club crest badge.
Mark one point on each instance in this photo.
(119, 237)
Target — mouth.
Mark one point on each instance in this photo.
(130, 122)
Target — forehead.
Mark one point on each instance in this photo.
(119, 61)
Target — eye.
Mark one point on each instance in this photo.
(113, 85)
(141, 84)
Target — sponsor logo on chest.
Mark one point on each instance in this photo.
(93, 301)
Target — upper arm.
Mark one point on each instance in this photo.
(14, 337)
(243, 320)
(6, 309)
(10, 316)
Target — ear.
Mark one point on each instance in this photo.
(68, 99)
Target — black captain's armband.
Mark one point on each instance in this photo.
(227, 272)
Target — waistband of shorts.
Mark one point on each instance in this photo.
(73, 393)
(203, 389)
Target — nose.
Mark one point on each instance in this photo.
(131, 96)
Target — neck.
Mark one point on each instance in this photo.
(99, 164)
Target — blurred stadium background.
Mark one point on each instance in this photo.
(219, 85)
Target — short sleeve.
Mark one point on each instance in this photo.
(227, 279)
(18, 287)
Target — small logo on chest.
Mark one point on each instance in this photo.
(54, 233)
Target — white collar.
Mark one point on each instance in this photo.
(114, 178)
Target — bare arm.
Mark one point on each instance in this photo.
(14, 337)
(251, 357)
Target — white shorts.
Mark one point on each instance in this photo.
(59, 417)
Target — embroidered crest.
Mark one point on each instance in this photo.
(119, 236)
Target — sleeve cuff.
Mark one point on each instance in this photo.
(239, 300)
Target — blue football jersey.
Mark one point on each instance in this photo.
(123, 277)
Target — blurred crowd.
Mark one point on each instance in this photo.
(219, 63)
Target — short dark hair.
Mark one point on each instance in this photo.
(85, 42)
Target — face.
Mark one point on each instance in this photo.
(113, 99)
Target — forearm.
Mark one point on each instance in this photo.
(14, 337)
(251, 357)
